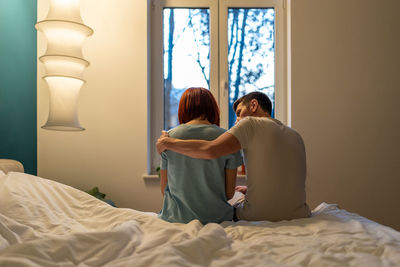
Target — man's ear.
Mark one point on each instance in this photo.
(253, 105)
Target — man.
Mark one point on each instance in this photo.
(274, 157)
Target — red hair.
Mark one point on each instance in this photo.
(198, 102)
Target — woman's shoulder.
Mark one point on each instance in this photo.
(213, 128)
(198, 131)
(176, 130)
(216, 127)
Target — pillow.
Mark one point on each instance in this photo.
(9, 165)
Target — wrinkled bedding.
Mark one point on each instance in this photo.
(45, 223)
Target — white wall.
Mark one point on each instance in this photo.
(345, 87)
(346, 90)
(112, 152)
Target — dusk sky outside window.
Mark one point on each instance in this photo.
(251, 54)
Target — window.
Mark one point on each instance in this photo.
(231, 47)
(186, 56)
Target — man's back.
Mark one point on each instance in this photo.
(275, 162)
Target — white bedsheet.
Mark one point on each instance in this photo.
(44, 223)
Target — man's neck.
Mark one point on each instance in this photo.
(261, 114)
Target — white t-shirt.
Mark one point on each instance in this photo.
(275, 161)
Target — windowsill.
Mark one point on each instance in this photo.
(150, 176)
(155, 176)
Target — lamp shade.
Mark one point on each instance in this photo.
(64, 37)
(64, 93)
(64, 66)
(64, 63)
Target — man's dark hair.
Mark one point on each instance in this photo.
(263, 101)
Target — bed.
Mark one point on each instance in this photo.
(45, 223)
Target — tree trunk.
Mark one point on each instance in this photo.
(168, 80)
(239, 68)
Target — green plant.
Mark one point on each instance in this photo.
(97, 194)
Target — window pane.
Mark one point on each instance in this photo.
(251, 54)
(186, 38)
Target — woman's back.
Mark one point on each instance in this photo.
(196, 187)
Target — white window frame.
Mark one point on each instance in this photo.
(218, 71)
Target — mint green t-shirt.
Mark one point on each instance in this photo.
(196, 187)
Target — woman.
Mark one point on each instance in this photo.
(197, 188)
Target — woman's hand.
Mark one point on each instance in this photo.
(161, 141)
(241, 188)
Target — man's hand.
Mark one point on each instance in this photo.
(161, 142)
(241, 188)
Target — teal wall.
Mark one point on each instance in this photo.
(18, 137)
